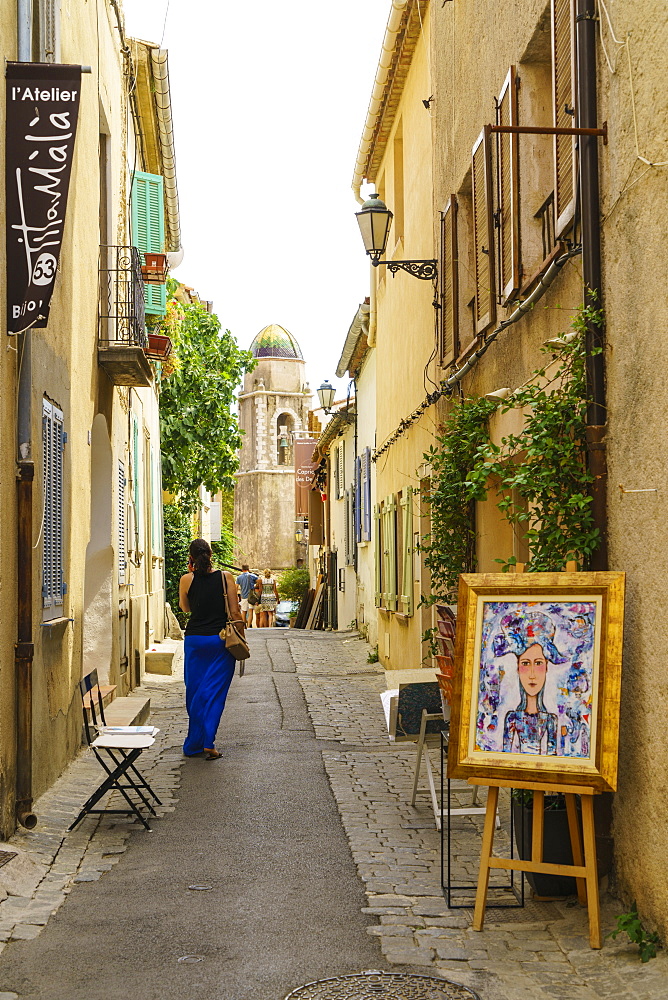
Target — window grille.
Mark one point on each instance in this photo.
(53, 444)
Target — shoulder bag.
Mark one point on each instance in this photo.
(232, 635)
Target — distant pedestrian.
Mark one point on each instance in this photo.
(246, 584)
(209, 667)
(268, 593)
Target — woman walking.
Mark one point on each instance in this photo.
(209, 667)
(268, 594)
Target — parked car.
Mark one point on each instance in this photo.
(283, 609)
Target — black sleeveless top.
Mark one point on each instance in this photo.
(207, 604)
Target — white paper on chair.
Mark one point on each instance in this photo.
(134, 730)
(127, 741)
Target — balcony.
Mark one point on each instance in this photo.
(122, 333)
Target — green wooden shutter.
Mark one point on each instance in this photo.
(378, 554)
(148, 231)
(390, 551)
(407, 560)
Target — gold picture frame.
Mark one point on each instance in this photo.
(537, 678)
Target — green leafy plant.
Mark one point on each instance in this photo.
(629, 924)
(200, 436)
(293, 584)
(373, 655)
(449, 549)
(542, 471)
(540, 474)
(178, 535)
(223, 550)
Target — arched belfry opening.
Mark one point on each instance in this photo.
(284, 440)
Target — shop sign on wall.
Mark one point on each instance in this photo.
(304, 467)
(42, 114)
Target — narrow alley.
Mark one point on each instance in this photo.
(246, 888)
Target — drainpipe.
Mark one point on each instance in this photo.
(594, 339)
(591, 270)
(24, 649)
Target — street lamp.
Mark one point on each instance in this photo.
(299, 536)
(374, 220)
(326, 398)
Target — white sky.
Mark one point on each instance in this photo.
(269, 100)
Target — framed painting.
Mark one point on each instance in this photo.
(537, 678)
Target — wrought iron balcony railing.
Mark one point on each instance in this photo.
(121, 314)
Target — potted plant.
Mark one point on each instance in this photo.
(556, 842)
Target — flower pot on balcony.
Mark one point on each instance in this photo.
(159, 347)
(154, 269)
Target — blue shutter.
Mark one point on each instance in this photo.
(148, 231)
(53, 443)
(366, 489)
(358, 499)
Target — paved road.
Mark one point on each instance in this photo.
(262, 828)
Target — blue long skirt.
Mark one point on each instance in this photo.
(209, 670)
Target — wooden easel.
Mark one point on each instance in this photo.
(584, 867)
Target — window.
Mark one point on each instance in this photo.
(358, 499)
(507, 219)
(563, 95)
(136, 492)
(148, 230)
(53, 445)
(483, 233)
(122, 543)
(449, 312)
(349, 527)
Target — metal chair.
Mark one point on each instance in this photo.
(116, 749)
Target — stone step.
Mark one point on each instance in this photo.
(133, 710)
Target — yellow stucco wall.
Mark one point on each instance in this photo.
(405, 329)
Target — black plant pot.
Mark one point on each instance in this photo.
(556, 849)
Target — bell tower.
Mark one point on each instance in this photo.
(273, 410)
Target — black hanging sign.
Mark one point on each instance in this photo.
(42, 113)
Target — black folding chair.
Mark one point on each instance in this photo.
(116, 749)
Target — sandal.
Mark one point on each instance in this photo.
(212, 755)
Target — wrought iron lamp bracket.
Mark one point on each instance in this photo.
(426, 270)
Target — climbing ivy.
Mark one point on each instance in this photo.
(450, 548)
(543, 477)
(541, 473)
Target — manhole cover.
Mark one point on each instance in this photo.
(6, 856)
(382, 986)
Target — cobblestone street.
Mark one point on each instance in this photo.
(541, 951)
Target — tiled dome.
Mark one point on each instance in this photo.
(275, 342)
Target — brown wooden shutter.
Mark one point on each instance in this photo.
(564, 96)
(483, 233)
(449, 318)
(508, 174)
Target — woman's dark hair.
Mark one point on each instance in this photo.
(200, 555)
